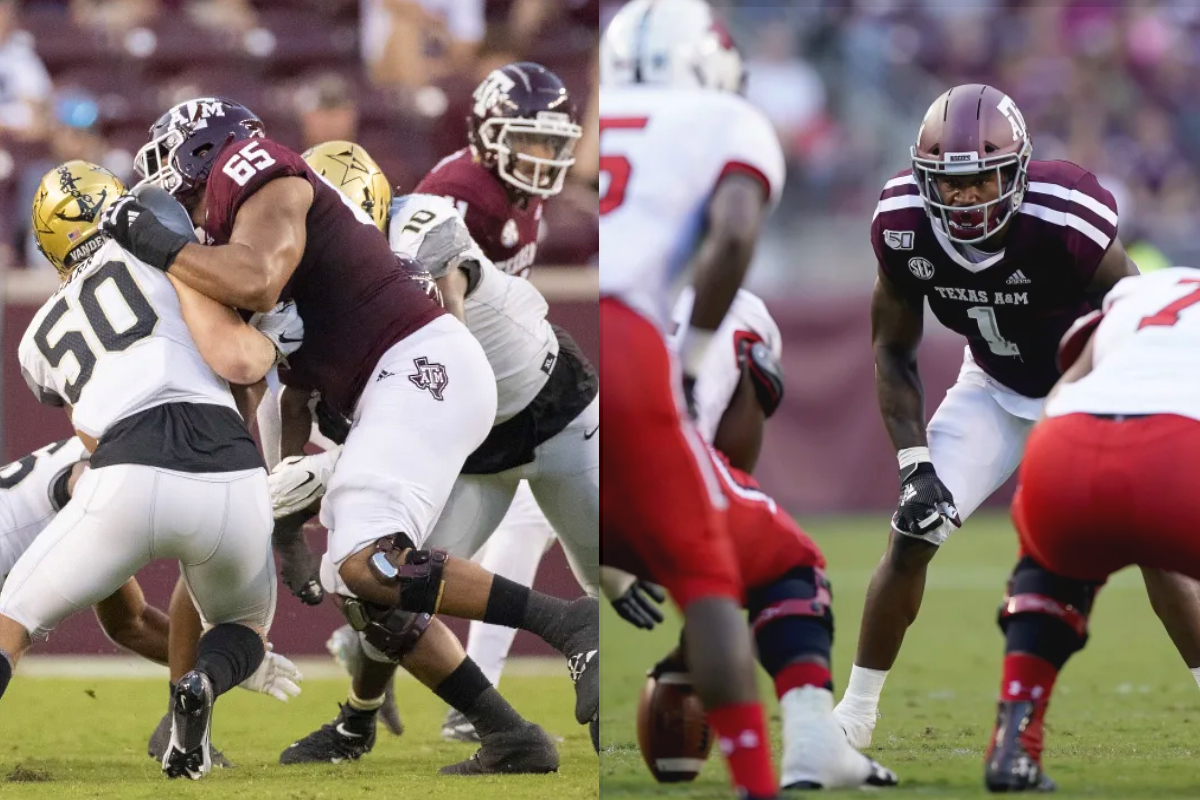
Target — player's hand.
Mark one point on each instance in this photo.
(134, 227)
(925, 502)
(276, 676)
(299, 481)
(689, 396)
(639, 604)
(283, 326)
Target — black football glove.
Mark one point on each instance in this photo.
(925, 502)
(635, 605)
(689, 396)
(333, 426)
(766, 375)
(136, 228)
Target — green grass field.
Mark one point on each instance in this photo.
(1124, 722)
(87, 739)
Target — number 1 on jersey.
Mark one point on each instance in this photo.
(617, 168)
(989, 329)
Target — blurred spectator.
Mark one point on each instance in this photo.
(233, 16)
(24, 83)
(327, 110)
(113, 17)
(415, 43)
(74, 134)
(784, 86)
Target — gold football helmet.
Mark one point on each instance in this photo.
(66, 212)
(353, 172)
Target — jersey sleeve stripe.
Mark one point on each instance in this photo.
(1075, 196)
(896, 203)
(903, 180)
(743, 168)
(1069, 220)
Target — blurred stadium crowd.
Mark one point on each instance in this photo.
(86, 78)
(1113, 86)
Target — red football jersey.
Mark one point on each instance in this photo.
(1014, 306)
(506, 232)
(354, 300)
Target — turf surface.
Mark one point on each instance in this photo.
(1124, 721)
(63, 738)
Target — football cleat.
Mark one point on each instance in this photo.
(457, 728)
(156, 748)
(349, 737)
(815, 753)
(526, 750)
(858, 724)
(191, 723)
(582, 619)
(1014, 755)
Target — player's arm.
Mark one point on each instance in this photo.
(453, 286)
(740, 432)
(266, 245)
(295, 421)
(133, 624)
(234, 350)
(1115, 265)
(733, 220)
(897, 323)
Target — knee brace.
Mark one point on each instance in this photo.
(388, 634)
(792, 617)
(1045, 614)
(418, 573)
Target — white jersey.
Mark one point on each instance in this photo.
(1145, 352)
(663, 152)
(505, 313)
(748, 319)
(27, 502)
(112, 342)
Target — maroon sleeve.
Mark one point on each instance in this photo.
(1092, 224)
(476, 205)
(893, 229)
(240, 171)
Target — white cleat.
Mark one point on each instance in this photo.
(858, 723)
(816, 754)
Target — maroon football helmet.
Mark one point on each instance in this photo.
(520, 108)
(186, 141)
(969, 130)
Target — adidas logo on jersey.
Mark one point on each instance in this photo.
(1016, 278)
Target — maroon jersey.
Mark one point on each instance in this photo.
(1015, 305)
(506, 232)
(353, 299)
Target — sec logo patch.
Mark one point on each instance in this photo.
(921, 267)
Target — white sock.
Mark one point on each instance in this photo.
(1196, 675)
(866, 685)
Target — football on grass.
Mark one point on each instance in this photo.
(673, 733)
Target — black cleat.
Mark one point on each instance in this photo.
(346, 648)
(457, 728)
(349, 737)
(527, 750)
(157, 746)
(191, 722)
(1014, 755)
(582, 621)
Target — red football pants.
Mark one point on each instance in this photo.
(1097, 495)
(767, 541)
(661, 506)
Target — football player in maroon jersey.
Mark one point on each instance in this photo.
(382, 352)
(1008, 252)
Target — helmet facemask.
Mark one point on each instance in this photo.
(155, 161)
(509, 140)
(972, 224)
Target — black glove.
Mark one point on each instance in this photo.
(924, 501)
(635, 607)
(134, 227)
(689, 396)
(333, 426)
(300, 567)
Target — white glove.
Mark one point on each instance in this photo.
(276, 676)
(299, 481)
(283, 326)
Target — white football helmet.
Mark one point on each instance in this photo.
(674, 42)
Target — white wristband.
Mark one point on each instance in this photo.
(693, 349)
(911, 456)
